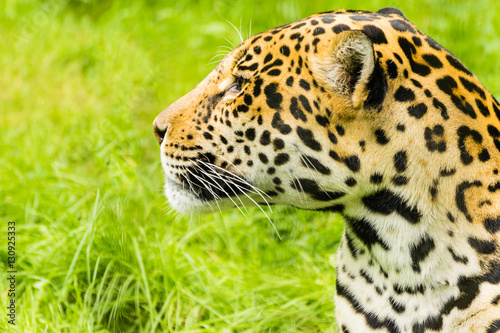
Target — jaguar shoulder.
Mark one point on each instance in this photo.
(358, 113)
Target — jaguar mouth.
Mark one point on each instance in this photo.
(200, 184)
(210, 182)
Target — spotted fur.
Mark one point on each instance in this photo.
(358, 113)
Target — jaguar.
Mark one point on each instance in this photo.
(362, 114)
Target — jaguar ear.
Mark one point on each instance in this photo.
(349, 68)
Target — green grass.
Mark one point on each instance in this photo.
(97, 249)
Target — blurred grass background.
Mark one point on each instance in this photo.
(80, 174)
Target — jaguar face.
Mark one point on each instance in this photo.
(261, 127)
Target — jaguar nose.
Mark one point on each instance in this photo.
(159, 132)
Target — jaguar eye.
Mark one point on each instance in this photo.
(238, 84)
